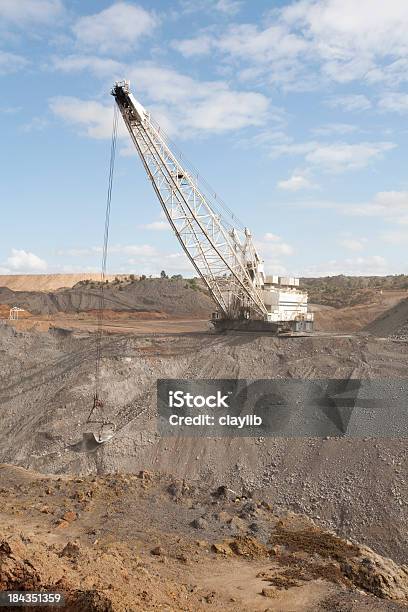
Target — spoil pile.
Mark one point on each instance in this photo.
(176, 298)
(50, 282)
(392, 323)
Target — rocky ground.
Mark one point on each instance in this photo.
(145, 542)
(143, 512)
(355, 486)
(177, 298)
(393, 322)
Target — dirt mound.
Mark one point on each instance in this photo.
(173, 297)
(391, 322)
(131, 543)
(50, 282)
(401, 333)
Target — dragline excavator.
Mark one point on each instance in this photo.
(219, 247)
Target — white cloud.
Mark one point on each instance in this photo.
(271, 248)
(351, 37)
(75, 269)
(355, 266)
(10, 110)
(223, 110)
(269, 237)
(117, 249)
(227, 7)
(274, 52)
(369, 25)
(11, 62)
(146, 250)
(36, 124)
(200, 105)
(351, 102)
(292, 148)
(22, 12)
(177, 101)
(340, 157)
(157, 226)
(334, 129)
(352, 244)
(247, 41)
(394, 102)
(336, 40)
(101, 67)
(116, 29)
(230, 7)
(333, 158)
(190, 47)
(75, 252)
(391, 206)
(94, 118)
(130, 258)
(160, 225)
(395, 237)
(392, 74)
(21, 261)
(172, 263)
(296, 182)
(273, 245)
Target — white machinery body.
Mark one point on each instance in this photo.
(286, 303)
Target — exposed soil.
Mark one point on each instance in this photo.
(176, 298)
(50, 282)
(150, 523)
(357, 487)
(359, 317)
(150, 542)
(392, 322)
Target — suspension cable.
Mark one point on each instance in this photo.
(101, 303)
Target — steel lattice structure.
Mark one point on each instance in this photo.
(225, 258)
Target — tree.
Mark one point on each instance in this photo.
(192, 283)
(177, 277)
(163, 274)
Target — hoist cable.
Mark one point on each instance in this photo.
(101, 308)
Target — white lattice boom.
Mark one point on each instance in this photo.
(223, 256)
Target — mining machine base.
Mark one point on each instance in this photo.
(276, 328)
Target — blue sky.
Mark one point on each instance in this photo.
(295, 112)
